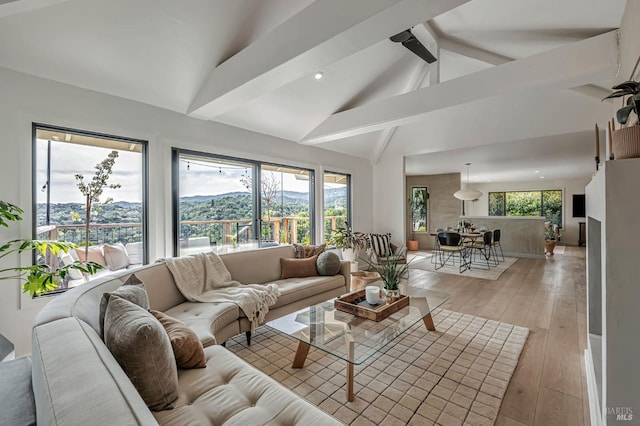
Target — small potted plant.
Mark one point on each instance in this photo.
(391, 272)
(464, 225)
(626, 140)
(348, 241)
(550, 238)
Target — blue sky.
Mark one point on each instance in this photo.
(69, 159)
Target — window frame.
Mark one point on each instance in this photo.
(426, 213)
(349, 201)
(34, 182)
(256, 196)
(542, 204)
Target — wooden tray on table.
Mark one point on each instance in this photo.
(356, 304)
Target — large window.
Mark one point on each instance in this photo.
(418, 204)
(337, 201)
(547, 203)
(226, 204)
(66, 159)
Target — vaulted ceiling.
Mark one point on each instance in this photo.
(525, 74)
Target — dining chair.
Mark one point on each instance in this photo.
(435, 254)
(483, 248)
(496, 244)
(451, 246)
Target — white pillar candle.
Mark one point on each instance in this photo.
(372, 294)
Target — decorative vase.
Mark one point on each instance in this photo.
(349, 254)
(549, 246)
(626, 142)
(412, 245)
(391, 295)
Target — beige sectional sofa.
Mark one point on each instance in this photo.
(76, 380)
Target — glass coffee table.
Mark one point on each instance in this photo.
(354, 339)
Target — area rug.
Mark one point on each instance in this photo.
(492, 274)
(455, 375)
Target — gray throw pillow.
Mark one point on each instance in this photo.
(132, 290)
(142, 348)
(328, 263)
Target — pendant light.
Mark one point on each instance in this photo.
(467, 194)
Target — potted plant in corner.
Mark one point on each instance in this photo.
(349, 242)
(626, 140)
(550, 238)
(418, 209)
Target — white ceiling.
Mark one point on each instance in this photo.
(250, 64)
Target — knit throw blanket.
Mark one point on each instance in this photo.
(204, 278)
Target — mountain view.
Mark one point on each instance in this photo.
(228, 206)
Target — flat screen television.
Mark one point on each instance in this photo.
(579, 209)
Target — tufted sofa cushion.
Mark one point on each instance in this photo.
(230, 391)
(205, 319)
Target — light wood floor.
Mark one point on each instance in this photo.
(547, 296)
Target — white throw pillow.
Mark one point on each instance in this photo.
(116, 256)
(66, 259)
(134, 250)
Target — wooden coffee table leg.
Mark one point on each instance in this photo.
(350, 368)
(428, 322)
(301, 355)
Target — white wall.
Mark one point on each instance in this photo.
(26, 99)
(389, 202)
(569, 187)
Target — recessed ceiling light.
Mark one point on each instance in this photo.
(318, 75)
(541, 177)
(536, 171)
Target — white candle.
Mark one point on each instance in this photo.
(372, 294)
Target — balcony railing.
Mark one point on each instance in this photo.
(283, 230)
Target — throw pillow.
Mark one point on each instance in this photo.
(187, 348)
(134, 250)
(381, 244)
(132, 290)
(94, 255)
(142, 348)
(116, 256)
(66, 260)
(328, 263)
(298, 268)
(304, 252)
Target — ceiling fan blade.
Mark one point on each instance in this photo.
(418, 48)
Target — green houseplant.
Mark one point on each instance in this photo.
(391, 272)
(626, 140)
(418, 208)
(348, 241)
(550, 238)
(38, 278)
